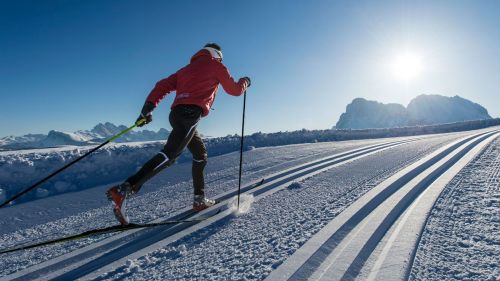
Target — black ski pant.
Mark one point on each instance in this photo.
(184, 119)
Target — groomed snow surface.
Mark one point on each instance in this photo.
(167, 193)
(462, 238)
(249, 245)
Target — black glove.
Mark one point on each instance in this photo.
(146, 114)
(249, 82)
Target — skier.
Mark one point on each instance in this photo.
(196, 85)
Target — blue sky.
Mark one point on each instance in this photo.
(68, 65)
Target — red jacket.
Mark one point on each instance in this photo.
(197, 83)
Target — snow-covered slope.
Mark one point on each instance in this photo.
(20, 169)
(98, 134)
(307, 187)
(21, 141)
(56, 138)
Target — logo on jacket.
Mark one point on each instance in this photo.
(182, 96)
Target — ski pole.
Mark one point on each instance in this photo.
(241, 146)
(71, 163)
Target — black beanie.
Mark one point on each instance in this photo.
(213, 45)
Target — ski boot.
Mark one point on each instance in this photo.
(201, 203)
(118, 195)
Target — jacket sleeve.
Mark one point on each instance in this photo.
(230, 86)
(162, 88)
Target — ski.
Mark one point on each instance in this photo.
(119, 228)
(109, 229)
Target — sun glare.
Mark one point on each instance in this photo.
(407, 66)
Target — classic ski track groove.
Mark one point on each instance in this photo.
(260, 192)
(91, 258)
(340, 250)
(400, 247)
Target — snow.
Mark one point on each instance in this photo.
(3, 195)
(342, 248)
(115, 162)
(266, 231)
(71, 213)
(246, 201)
(295, 185)
(250, 246)
(21, 169)
(98, 134)
(462, 237)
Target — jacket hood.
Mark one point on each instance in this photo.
(201, 54)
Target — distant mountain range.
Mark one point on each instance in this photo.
(98, 134)
(422, 110)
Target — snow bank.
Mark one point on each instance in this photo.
(21, 169)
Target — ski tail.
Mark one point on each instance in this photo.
(85, 234)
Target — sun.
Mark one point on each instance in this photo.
(407, 66)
